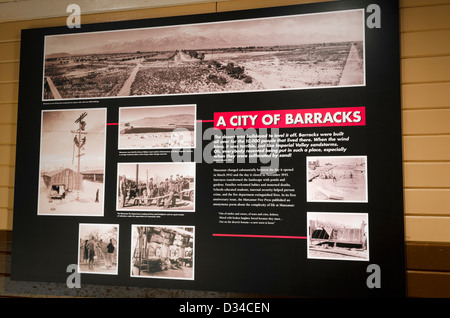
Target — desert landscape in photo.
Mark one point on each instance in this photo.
(338, 179)
(156, 127)
(292, 52)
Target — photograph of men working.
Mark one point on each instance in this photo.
(156, 186)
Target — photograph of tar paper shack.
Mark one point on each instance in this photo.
(72, 161)
(163, 251)
(338, 236)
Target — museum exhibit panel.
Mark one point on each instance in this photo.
(254, 151)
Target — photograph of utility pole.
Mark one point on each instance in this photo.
(72, 162)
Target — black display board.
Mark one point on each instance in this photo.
(253, 151)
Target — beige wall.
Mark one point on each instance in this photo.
(425, 62)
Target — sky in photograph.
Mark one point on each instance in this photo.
(101, 230)
(290, 30)
(339, 160)
(57, 145)
(347, 219)
(157, 171)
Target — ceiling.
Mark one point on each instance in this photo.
(18, 10)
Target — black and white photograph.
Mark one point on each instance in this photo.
(157, 127)
(337, 179)
(339, 236)
(165, 252)
(319, 50)
(98, 248)
(156, 186)
(72, 162)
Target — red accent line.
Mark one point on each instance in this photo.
(261, 236)
(112, 124)
(205, 121)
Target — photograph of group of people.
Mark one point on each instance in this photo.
(157, 251)
(156, 186)
(98, 248)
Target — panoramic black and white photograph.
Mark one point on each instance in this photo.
(165, 252)
(157, 127)
(72, 162)
(319, 50)
(98, 248)
(156, 186)
(342, 236)
(337, 179)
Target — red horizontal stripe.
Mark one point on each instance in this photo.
(205, 121)
(261, 236)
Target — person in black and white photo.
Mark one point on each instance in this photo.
(156, 186)
(101, 246)
(110, 252)
(72, 162)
